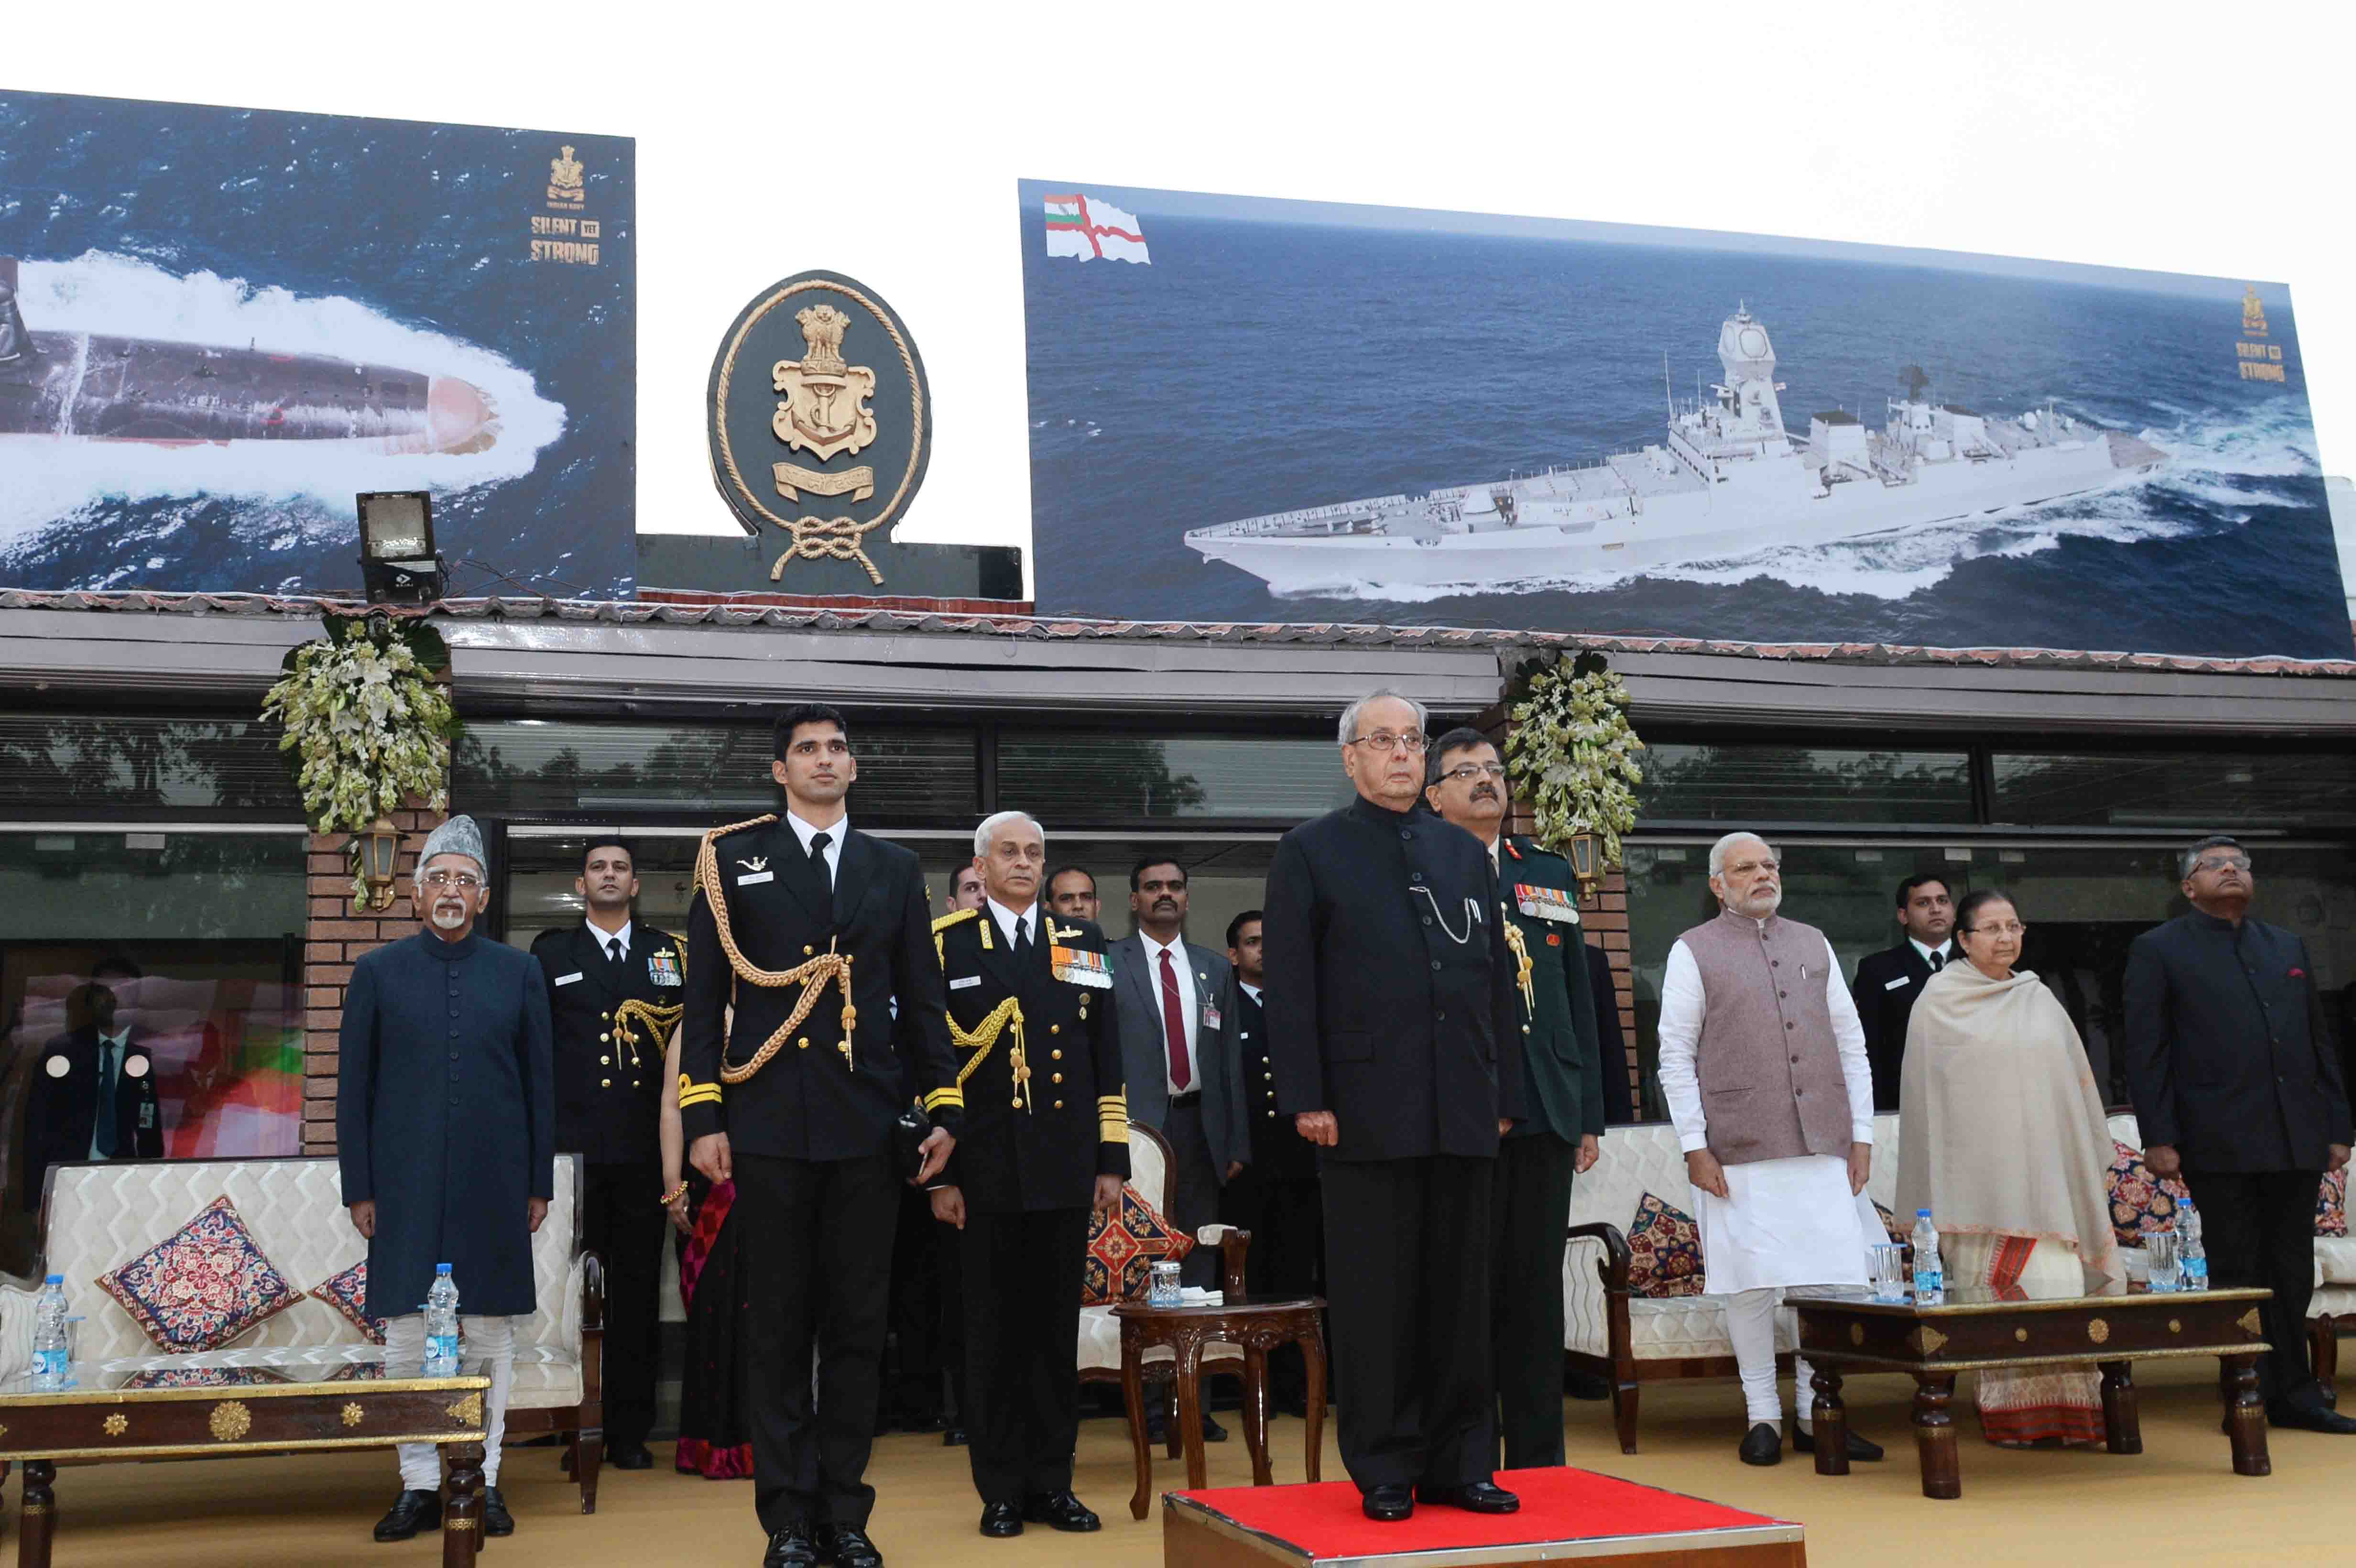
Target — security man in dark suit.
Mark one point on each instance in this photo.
(613, 991)
(1392, 1014)
(1619, 1086)
(1276, 1195)
(817, 935)
(2237, 1087)
(1046, 1139)
(1562, 1070)
(93, 1089)
(1887, 982)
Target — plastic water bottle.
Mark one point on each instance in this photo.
(1930, 1278)
(51, 1369)
(2191, 1257)
(442, 1325)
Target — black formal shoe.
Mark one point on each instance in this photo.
(2310, 1418)
(953, 1439)
(1389, 1504)
(634, 1458)
(847, 1546)
(496, 1520)
(1061, 1510)
(791, 1548)
(1805, 1442)
(1000, 1520)
(1763, 1444)
(1585, 1385)
(411, 1513)
(1212, 1430)
(1477, 1496)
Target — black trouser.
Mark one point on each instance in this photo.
(622, 1221)
(1530, 1204)
(1022, 1288)
(1409, 1307)
(913, 1390)
(815, 1240)
(1192, 1189)
(1286, 1217)
(2258, 1229)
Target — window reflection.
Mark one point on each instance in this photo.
(1115, 775)
(2194, 791)
(1740, 783)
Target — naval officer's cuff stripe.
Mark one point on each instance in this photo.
(1112, 1129)
(692, 1094)
(952, 1095)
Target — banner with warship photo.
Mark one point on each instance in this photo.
(218, 326)
(1311, 412)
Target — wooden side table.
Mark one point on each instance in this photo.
(1258, 1324)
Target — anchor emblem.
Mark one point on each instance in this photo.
(824, 409)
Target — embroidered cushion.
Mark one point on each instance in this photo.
(201, 1286)
(1665, 1247)
(348, 1294)
(202, 1377)
(1124, 1246)
(2331, 1205)
(2140, 1204)
(356, 1372)
(1901, 1235)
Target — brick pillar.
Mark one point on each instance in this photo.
(334, 937)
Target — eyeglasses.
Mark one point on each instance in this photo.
(2220, 862)
(2009, 928)
(1465, 773)
(464, 881)
(1385, 742)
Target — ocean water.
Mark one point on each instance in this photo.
(391, 242)
(1255, 367)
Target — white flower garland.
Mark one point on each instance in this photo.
(371, 725)
(1572, 755)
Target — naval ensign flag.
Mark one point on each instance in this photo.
(1079, 225)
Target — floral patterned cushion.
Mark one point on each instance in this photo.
(2140, 1205)
(356, 1372)
(1901, 1235)
(2331, 1205)
(1123, 1247)
(202, 1377)
(1665, 1248)
(201, 1286)
(348, 1294)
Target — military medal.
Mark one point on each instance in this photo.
(1546, 903)
(1080, 968)
(662, 967)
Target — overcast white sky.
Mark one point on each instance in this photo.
(884, 142)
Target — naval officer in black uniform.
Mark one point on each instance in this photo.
(1391, 1010)
(613, 990)
(1046, 1138)
(819, 937)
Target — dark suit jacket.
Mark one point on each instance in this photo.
(608, 1097)
(1145, 1052)
(1274, 1147)
(61, 1108)
(1619, 1088)
(2227, 1056)
(1886, 986)
(1562, 1065)
(1390, 986)
(810, 1101)
(1048, 1152)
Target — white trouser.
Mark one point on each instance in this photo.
(488, 1340)
(1751, 1324)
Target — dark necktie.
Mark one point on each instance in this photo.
(110, 1067)
(819, 841)
(613, 951)
(1174, 1027)
(1938, 960)
(1022, 941)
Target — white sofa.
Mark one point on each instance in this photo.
(98, 1217)
(1631, 1340)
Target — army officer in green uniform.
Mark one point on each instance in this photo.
(1563, 1071)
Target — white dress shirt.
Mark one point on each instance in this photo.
(1177, 951)
(605, 938)
(1007, 917)
(1682, 1007)
(805, 831)
(1250, 990)
(1945, 949)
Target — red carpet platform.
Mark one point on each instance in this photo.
(1566, 1516)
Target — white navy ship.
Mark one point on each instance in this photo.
(1729, 482)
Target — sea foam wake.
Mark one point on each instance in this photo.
(45, 482)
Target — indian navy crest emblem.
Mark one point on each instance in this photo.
(564, 182)
(2254, 312)
(824, 409)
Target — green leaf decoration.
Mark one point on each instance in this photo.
(1572, 754)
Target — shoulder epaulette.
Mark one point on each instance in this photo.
(949, 920)
(1513, 848)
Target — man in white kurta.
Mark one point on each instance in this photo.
(1764, 1069)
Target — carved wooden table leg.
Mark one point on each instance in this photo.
(2122, 1421)
(40, 1510)
(1132, 1397)
(1312, 1360)
(2245, 1417)
(1256, 1413)
(462, 1513)
(1189, 1351)
(1830, 1418)
(1934, 1436)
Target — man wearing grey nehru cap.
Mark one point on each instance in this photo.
(445, 1127)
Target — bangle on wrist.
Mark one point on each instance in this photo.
(674, 1195)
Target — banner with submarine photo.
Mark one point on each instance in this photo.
(218, 326)
(1263, 410)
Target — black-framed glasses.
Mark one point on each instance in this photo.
(1465, 773)
(1385, 742)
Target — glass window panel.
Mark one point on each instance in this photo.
(2177, 789)
(1747, 783)
(70, 763)
(534, 766)
(1110, 777)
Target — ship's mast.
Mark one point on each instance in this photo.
(1669, 392)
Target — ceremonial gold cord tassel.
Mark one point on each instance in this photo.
(1522, 961)
(813, 977)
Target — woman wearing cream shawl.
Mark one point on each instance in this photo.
(2001, 1137)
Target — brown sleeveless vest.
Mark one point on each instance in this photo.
(1772, 1086)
